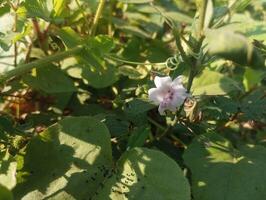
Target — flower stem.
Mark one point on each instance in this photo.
(21, 69)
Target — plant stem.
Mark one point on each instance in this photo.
(21, 69)
(97, 17)
(202, 14)
(109, 56)
(156, 124)
(196, 62)
(39, 34)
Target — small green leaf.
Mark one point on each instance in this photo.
(252, 77)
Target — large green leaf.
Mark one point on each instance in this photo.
(221, 172)
(234, 47)
(213, 83)
(252, 29)
(67, 161)
(145, 174)
(50, 79)
(72, 160)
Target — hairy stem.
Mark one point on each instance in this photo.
(196, 62)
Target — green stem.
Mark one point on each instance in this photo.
(109, 56)
(21, 69)
(196, 62)
(156, 124)
(202, 14)
(97, 17)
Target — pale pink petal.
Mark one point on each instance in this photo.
(177, 83)
(179, 97)
(172, 107)
(162, 81)
(162, 109)
(178, 80)
(155, 95)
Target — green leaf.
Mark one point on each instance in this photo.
(39, 8)
(137, 106)
(213, 83)
(136, 73)
(72, 160)
(252, 77)
(8, 168)
(5, 194)
(116, 125)
(246, 25)
(254, 105)
(209, 14)
(235, 47)
(146, 174)
(59, 6)
(221, 172)
(64, 158)
(50, 79)
(138, 137)
(90, 66)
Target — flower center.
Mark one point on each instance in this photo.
(168, 97)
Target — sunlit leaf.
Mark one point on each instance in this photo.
(234, 47)
(213, 83)
(222, 172)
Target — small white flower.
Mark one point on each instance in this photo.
(168, 94)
